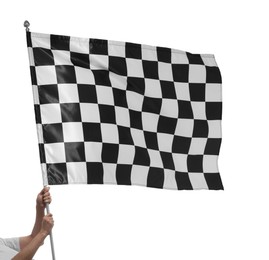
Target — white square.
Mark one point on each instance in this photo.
(198, 109)
(104, 95)
(134, 100)
(89, 112)
(68, 93)
(46, 75)
(98, 62)
(149, 54)
(198, 181)
(31, 56)
(79, 45)
(165, 71)
(116, 49)
(165, 142)
(184, 127)
(169, 108)
(138, 137)
(110, 133)
(77, 172)
(182, 91)
(179, 58)
(41, 42)
(93, 151)
(197, 73)
(122, 116)
(109, 173)
(169, 180)
(139, 175)
(73, 132)
(153, 88)
(210, 164)
(61, 57)
(134, 68)
(209, 60)
(84, 76)
(54, 153)
(213, 92)
(126, 154)
(180, 162)
(197, 146)
(214, 128)
(155, 158)
(118, 81)
(150, 121)
(50, 113)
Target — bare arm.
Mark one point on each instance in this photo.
(29, 250)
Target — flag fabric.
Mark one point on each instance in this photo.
(111, 112)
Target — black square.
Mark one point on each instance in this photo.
(164, 54)
(213, 181)
(70, 112)
(37, 114)
(53, 133)
(119, 97)
(59, 42)
(95, 173)
(98, 46)
(48, 94)
(167, 125)
(118, 65)
(168, 89)
(92, 132)
(155, 178)
(141, 156)
(150, 69)
(136, 84)
(197, 91)
(107, 114)
(28, 39)
(195, 58)
(80, 59)
(42, 153)
(213, 75)
(123, 174)
(65, 74)
(110, 153)
(125, 136)
(185, 109)
(33, 75)
(213, 146)
(168, 162)
(101, 77)
(180, 72)
(183, 181)
(57, 173)
(74, 152)
(43, 56)
(87, 93)
(135, 119)
(133, 50)
(195, 163)
(181, 144)
(200, 128)
(151, 140)
(152, 105)
(213, 110)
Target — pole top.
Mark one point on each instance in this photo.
(26, 24)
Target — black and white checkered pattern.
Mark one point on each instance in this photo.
(125, 113)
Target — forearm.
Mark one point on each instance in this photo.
(29, 251)
(38, 221)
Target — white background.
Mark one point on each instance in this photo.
(117, 222)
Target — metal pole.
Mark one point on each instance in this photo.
(51, 236)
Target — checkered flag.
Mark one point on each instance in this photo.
(110, 112)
